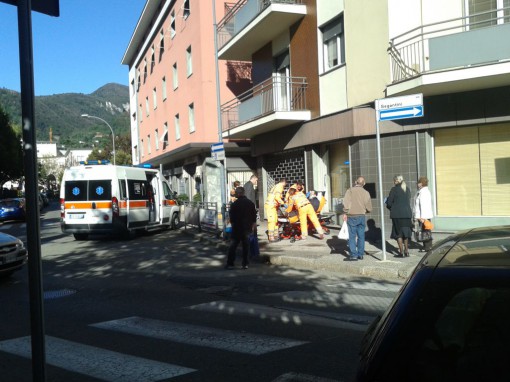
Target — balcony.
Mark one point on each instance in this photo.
(251, 24)
(277, 102)
(462, 54)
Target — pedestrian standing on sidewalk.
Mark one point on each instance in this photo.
(357, 204)
(423, 207)
(243, 218)
(249, 189)
(399, 204)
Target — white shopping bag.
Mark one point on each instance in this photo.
(344, 232)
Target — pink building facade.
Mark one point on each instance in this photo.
(174, 98)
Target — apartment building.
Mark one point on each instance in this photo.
(317, 68)
(173, 97)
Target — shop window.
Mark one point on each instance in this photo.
(471, 163)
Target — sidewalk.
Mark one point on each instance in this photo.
(329, 254)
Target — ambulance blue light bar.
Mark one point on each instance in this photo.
(145, 165)
(95, 162)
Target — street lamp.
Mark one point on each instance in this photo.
(107, 124)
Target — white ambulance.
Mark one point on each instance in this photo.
(97, 197)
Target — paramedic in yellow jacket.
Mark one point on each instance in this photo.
(298, 200)
(273, 201)
(298, 186)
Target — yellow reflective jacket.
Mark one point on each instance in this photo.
(274, 197)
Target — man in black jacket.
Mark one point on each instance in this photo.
(249, 189)
(243, 217)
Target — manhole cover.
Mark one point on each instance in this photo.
(52, 294)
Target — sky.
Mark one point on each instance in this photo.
(78, 52)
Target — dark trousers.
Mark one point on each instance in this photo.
(237, 238)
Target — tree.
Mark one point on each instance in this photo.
(122, 148)
(11, 154)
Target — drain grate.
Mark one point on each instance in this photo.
(52, 294)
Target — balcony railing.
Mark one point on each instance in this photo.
(450, 44)
(276, 94)
(241, 14)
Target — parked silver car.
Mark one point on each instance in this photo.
(13, 254)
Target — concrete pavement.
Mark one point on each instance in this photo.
(329, 254)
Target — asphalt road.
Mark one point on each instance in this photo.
(160, 307)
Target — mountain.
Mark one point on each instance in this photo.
(62, 113)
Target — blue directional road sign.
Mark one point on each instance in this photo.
(388, 109)
(404, 112)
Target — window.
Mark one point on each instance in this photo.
(149, 144)
(163, 88)
(147, 106)
(186, 10)
(134, 116)
(161, 44)
(142, 153)
(172, 24)
(175, 77)
(133, 89)
(488, 12)
(189, 64)
(145, 70)
(333, 43)
(153, 60)
(155, 98)
(482, 152)
(156, 139)
(138, 81)
(164, 138)
(191, 118)
(140, 112)
(177, 127)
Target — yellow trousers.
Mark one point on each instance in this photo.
(306, 212)
(272, 220)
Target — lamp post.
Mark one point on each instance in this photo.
(107, 124)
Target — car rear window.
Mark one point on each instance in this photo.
(83, 190)
(9, 203)
(76, 191)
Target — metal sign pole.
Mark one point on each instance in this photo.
(31, 190)
(379, 171)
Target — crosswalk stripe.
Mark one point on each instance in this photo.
(336, 299)
(380, 286)
(300, 377)
(240, 342)
(283, 315)
(99, 363)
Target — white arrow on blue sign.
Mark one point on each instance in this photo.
(410, 106)
(405, 112)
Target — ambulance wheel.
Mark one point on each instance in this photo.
(292, 239)
(175, 221)
(80, 236)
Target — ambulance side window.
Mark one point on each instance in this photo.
(122, 189)
(137, 189)
(100, 189)
(76, 190)
(167, 191)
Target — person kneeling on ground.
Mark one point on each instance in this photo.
(243, 218)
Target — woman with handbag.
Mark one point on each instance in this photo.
(423, 212)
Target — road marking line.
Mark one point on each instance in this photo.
(333, 299)
(283, 315)
(99, 363)
(380, 286)
(299, 377)
(200, 336)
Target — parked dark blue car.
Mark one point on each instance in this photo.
(451, 320)
(12, 209)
